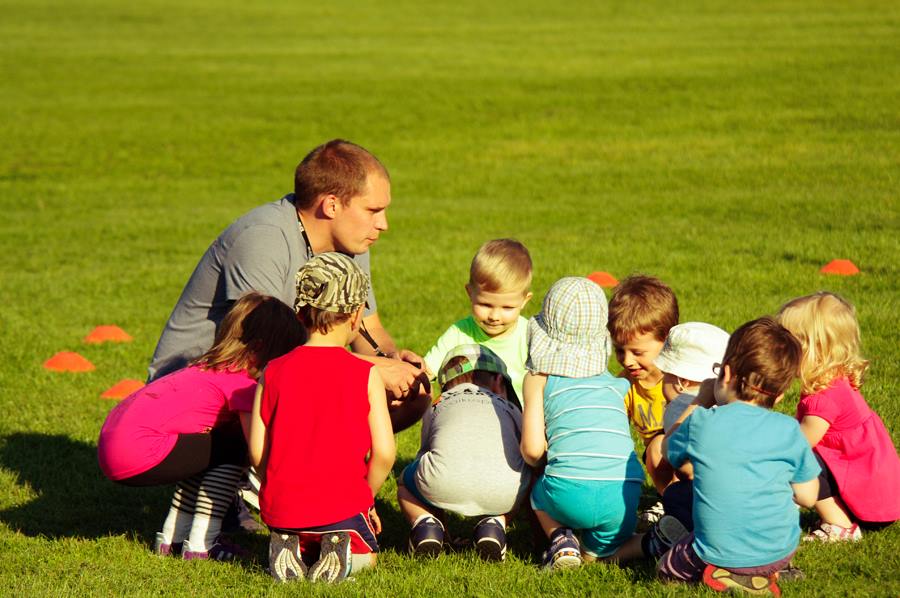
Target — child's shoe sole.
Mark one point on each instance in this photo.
(723, 580)
(333, 565)
(285, 563)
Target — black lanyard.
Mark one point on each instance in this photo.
(362, 325)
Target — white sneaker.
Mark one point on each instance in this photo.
(829, 532)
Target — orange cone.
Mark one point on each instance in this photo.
(604, 279)
(122, 389)
(841, 267)
(67, 361)
(102, 334)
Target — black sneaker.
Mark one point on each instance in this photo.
(564, 552)
(662, 535)
(490, 539)
(333, 565)
(426, 538)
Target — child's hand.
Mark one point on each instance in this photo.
(375, 519)
(706, 397)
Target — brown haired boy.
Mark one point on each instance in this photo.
(641, 312)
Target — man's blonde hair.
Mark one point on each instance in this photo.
(501, 265)
(826, 326)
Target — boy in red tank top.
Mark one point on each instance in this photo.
(321, 434)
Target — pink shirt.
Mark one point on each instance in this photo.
(858, 450)
(141, 430)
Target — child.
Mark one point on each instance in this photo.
(186, 427)
(319, 413)
(641, 312)
(687, 359)
(469, 461)
(860, 481)
(499, 287)
(750, 465)
(574, 415)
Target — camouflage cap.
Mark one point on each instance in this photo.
(477, 357)
(331, 282)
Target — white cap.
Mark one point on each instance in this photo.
(691, 349)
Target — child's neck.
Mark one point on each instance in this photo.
(338, 336)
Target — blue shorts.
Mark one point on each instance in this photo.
(604, 511)
(359, 527)
(409, 482)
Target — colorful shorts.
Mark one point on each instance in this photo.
(362, 534)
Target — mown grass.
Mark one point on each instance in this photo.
(730, 150)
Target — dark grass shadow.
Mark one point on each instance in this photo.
(74, 499)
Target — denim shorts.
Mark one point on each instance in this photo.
(604, 511)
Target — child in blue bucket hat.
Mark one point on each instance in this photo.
(575, 423)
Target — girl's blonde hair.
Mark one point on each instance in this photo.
(256, 329)
(826, 326)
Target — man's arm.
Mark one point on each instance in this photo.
(401, 371)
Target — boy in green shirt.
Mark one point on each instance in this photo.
(499, 287)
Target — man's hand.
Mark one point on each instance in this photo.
(401, 378)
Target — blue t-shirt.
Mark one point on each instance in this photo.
(745, 459)
(588, 437)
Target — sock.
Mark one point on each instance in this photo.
(425, 516)
(177, 525)
(215, 492)
(359, 562)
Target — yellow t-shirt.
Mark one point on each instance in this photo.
(645, 407)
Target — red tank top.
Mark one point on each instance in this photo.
(315, 405)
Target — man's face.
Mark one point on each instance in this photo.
(496, 313)
(358, 224)
(637, 356)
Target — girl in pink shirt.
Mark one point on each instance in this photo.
(860, 481)
(190, 426)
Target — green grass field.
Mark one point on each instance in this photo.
(729, 149)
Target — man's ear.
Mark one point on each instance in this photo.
(329, 205)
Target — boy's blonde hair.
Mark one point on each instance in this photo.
(826, 326)
(764, 358)
(641, 304)
(501, 265)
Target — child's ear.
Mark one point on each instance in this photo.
(778, 399)
(726, 374)
(528, 297)
(498, 385)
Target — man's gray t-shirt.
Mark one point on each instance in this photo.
(260, 251)
(469, 460)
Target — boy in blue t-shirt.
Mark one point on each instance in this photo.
(751, 466)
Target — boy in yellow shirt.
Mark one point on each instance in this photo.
(641, 312)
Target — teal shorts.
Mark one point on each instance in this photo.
(605, 512)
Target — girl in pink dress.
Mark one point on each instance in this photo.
(860, 481)
(190, 427)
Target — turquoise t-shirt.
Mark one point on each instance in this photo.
(745, 459)
(588, 437)
(512, 348)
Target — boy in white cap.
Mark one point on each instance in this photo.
(469, 462)
(687, 359)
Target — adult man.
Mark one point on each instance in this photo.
(341, 194)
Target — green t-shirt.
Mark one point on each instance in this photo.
(512, 348)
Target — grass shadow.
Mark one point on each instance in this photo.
(74, 499)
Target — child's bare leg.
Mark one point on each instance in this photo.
(412, 508)
(832, 511)
(661, 472)
(629, 550)
(548, 524)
